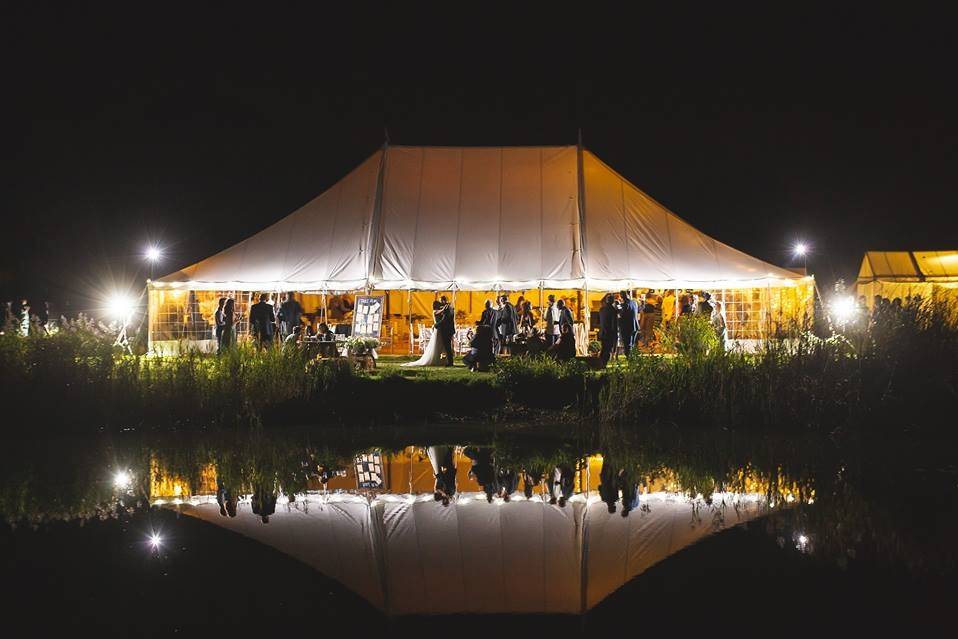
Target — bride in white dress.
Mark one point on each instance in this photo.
(433, 354)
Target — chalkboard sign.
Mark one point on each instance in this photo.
(369, 470)
(368, 316)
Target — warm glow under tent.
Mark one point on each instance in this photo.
(474, 219)
(931, 274)
(411, 555)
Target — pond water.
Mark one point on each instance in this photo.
(310, 529)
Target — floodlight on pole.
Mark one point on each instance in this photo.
(153, 253)
(801, 250)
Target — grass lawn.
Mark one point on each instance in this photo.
(392, 364)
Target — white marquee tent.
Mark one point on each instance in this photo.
(487, 218)
(414, 556)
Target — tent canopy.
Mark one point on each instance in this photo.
(479, 218)
(411, 555)
(909, 266)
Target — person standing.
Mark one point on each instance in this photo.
(628, 321)
(508, 322)
(290, 315)
(219, 319)
(565, 316)
(526, 319)
(719, 324)
(446, 328)
(261, 320)
(489, 317)
(608, 328)
(552, 322)
(229, 323)
(647, 318)
(704, 306)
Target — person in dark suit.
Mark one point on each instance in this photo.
(490, 318)
(508, 322)
(290, 315)
(565, 316)
(446, 328)
(261, 320)
(608, 328)
(628, 321)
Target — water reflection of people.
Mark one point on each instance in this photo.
(562, 484)
(615, 478)
(226, 499)
(444, 470)
(531, 478)
(264, 502)
(507, 481)
(483, 470)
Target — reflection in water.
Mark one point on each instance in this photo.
(511, 524)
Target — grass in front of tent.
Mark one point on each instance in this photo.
(388, 365)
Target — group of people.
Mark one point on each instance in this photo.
(497, 479)
(503, 328)
(267, 321)
(627, 322)
(26, 318)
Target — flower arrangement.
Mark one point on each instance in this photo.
(361, 345)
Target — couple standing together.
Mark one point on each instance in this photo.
(440, 342)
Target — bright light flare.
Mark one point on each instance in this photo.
(122, 480)
(155, 541)
(153, 254)
(120, 306)
(802, 539)
(843, 308)
(800, 249)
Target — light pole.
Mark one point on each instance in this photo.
(801, 250)
(153, 255)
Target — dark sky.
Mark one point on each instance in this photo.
(194, 129)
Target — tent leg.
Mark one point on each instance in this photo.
(409, 314)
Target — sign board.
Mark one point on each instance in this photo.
(368, 315)
(369, 470)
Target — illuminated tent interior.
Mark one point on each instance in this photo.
(467, 222)
(931, 274)
(411, 555)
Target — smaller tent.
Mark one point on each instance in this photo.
(931, 274)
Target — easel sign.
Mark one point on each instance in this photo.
(368, 315)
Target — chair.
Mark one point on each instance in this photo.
(423, 340)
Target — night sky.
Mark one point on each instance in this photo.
(194, 129)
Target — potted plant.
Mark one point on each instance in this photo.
(362, 352)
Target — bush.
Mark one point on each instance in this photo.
(543, 382)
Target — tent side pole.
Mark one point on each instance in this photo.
(409, 314)
(586, 317)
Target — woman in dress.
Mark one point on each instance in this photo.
(229, 323)
(220, 321)
(526, 319)
(433, 352)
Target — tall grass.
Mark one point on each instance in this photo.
(896, 371)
